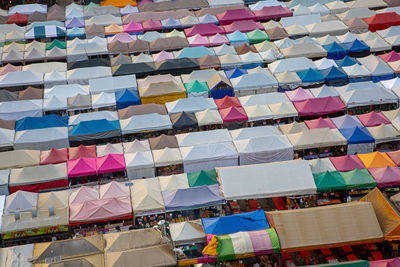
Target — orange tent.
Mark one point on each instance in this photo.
(113, 29)
(118, 3)
(386, 214)
(376, 160)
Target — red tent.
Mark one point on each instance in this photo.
(272, 12)
(319, 106)
(204, 30)
(232, 15)
(373, 119)
(82, 151)
(232, 114)
(320, 123)
(390, 57)
(382, 21)
(18, 18)
(227, 102)
(347, 163)
(243, 26)
(151, 25)
(53, 156)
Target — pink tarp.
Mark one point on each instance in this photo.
(198, 40)
(162, 56)
(152, 25)
(110, 163)
(320, 123)
(319, 106)
(272, 12)
(232, 114)
(395, 262)
(218, 39)
(81, 167)
(373, 119)
(133, 27)
(121, 37)
(390, 57)
(388, 176)
(347, 163)
(243, 26)
(232, 15)
(204, 30)
(299, 94)
(106, 202)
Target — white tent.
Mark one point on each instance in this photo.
(291, 64)
(208, 117)
(375, 65)
(145, 122)
(258, 112)
(108, 115)
(136, 146)
(254, 132)
(113, 84)
(146, 197)
(368, 96)
(320, 29)
(174, 182)
(356, 71)
(6, 138)
(316, 138)
(254, 83)
(27, 9)
(55, 103)
(66, 90)
(203, 137)
(188, 232)
(192, 104)
(208, 156)
(55, 78)
(320, 165)
(102, 150)
(83, 75)
(16, 110)
(102, 100)
(42, 139)
(139, 165)
(356, 13)
(265, 149)
(4, 177)
(21, 78)
(262, 99)
(267, 180)
(324, 91)
(301, 20)
(283, 110)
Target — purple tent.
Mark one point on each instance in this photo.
(347, 121)
(193, 197)
(152, 25)
(122, 37)
(75, 22)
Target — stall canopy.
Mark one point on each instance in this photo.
(202, 178)
(81, 167)
(382, 21)
(376, 160)
(329, 181)
(357, 135)
(319, 106)
(316, 138)
(347, 163)
(187, 232)
(53, 156)
(358, 179)
(95, 129)
(146, 197)
(386, 177)
(110, 163)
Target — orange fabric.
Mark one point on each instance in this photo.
(376, 160)
(113, 29)
(118, 3)
(211, 248)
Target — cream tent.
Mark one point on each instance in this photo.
(4, 177)
(139, 165)
(102, 150)
(337, 7)
(17, 256)
(19, 158)
(368, 4)
(104, 20)
(384, 133)
(146, 197)
(294, 127)
(321, 165)
(320, 29)
(296, 30)
(291, 64)
(174, 182)
(267, 180)
(204, 137)
(360, 12)
(167, 156)
(208, 156)
(265, 149)
(316, 138)
(208, 117)
(288, 80)
(258, 112)
(145, 122)
(42, 139)
(193, 104)
(83, 75)
(113, 84)
(6, 138)
(308, 50)
(254, 132)
(262, 99)
(187, 232)
(198, 75)
(283, 110)
(136, 146)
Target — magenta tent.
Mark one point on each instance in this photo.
(390, 57)
(198, 40)
(81, 167)
(133, 27)
(347, 163)
(243, 26)
(373, 119)
(218, 39)
(152, 25)
(110, 163)
(232, 15)
(385, 177)
(121, 37)
(204, 30)
(162, 56)
(99, 203)
(299, 94)
(232, 114)
(385, 263)
(319, 106)
(320, 123)
(272, 12)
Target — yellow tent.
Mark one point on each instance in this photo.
(118, 3)
(386, 214)
(162, 92)
(376, 160)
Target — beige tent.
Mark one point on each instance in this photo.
(19, 158)
(167, 156)
(309, 50)
(16, 256)
(316, 138)
(146, 197)
(187, 232)
(294, 127)
(384, 133)
(174, 182)
(208, 117)
(283, 110)
(336, 225)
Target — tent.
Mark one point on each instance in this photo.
(319, 106)
(386, 177)
(316, 138)
(174, 182)
(139, 164)
(394, 156)
(183, 120)
(258, 82)
(19, 158)
(358, 179)
(53, 156)
(167, 156)
(146, 122)
(320, 165)
(384, 133)
(95, 129)
(193, 104)
(42, 139)
(376, 160)
(291, 64)
(266, 180)
(110, 163)
(146, 197)
(126, 98)
(329, 181)
(31, 123)
(320, 123)
(203, 137)
(254, 132)
(346, 121)
(387, 262)
(113, 84)
(82, 166)
(347, 163)
(202, 177)
(187, 232)
(382, 21)
(81, 151)
(373, 119)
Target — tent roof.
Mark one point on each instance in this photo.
(316, 138)
(187, 232)
(376, 160)
(146, 196)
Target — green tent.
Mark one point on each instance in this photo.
(196, 87)
(358, 179)
(345, 264)
(257, 36)
(329, 181)
(91, 4)
(56, 43)
(202, 178)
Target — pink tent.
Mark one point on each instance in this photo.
(9, 68)
(81, 167)
(388, 176)
(121, 37)
(110, 163)
(232, 114)
(394, 156)
(373, 119)
(198, 40)
(395, 262)
(151, 25)
(162, 56)
(243, 26)
(82, 194)
(204, 30)
(299, 94)
(133, 27)
(272, 12)
(347, 163)
(320, 123)
(319, 106)
(232, 15)
(390, 57)
(227, 101)
(82, 151)
(53, 156)
(113, 189)
(218, 39)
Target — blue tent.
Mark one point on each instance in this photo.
(346, 61)
(357, 135)
(237, 37)
(50, 121)
(126, 98)
(335, 51)
(334, 76)
(356, 46)
(234, 73)
(310, 76)
(194, 52)
(94, 126)
(248, 221)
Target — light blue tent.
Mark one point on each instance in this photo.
(237, 38)
(194, 52)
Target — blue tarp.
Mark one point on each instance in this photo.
(95, 126)
(192, 198)
(356, 46)
(194, 52)
(234, 73)
(345, 62)
(248, 221)
(50, 121)
(357, 135)
(333, 73)
(310, 76)
(335, 51)
(126, 98)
